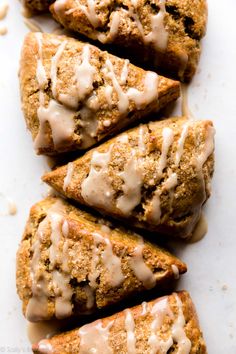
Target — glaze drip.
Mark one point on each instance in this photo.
(94, 338)
(96, 189)
(140, 269)
(37, 308)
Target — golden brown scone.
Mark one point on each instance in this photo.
(166, 325)
(37, 6)
(165, 34)
(74, 94)
(156, 176)
(71, 263)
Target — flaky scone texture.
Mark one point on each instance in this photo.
(146, 331)
(163, 34)
(70, 263)
(156, 176)
(73, 94)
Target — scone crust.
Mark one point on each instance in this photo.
(185, 21)
(106, 118)
(179, 216)
(80, 253)
(69, 342)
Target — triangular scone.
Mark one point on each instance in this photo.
(71, 263)
(166, 34)
(37, 6)
(74, 94)
(157, 176)
(166, 325)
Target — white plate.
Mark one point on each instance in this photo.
(211, 278)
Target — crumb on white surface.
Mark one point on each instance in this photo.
(3, 30)
(3, 10)
(224, 287)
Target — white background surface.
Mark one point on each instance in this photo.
(211, 278)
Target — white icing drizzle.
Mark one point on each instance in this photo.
(168, 137)
(88, 127)
(180, 144)
(114, 27)
(106, 123)
(90, 13)
(104, 228)
(54, 67)
(133, 180)
(123, 139)
(56, 221)
(96, 189)
(178, 332)
(170, 182)
(65, 250)
(45, 347)
(84, 74)
(154, 214)
(80, 89)
(111, 262)
(40, 71)
(144, 308)
(175, 270)
(130, 327)
(123, 101)
(142, 98)
(160, 311)
(59, 5)
(157, 37)
(108, 95)
(62, 289)
(59, 117)
(63, 292)
(37, 306)
(68, 177)
(94, 338)
(141, 139)
(95, 271)
(140, 269)
(61, 122)
(65, 228)
(208, 148)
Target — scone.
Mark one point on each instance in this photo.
(71, 263)
(74, 94)
(166, 325)
(164, 34)
(156, 176)
(37, 6)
